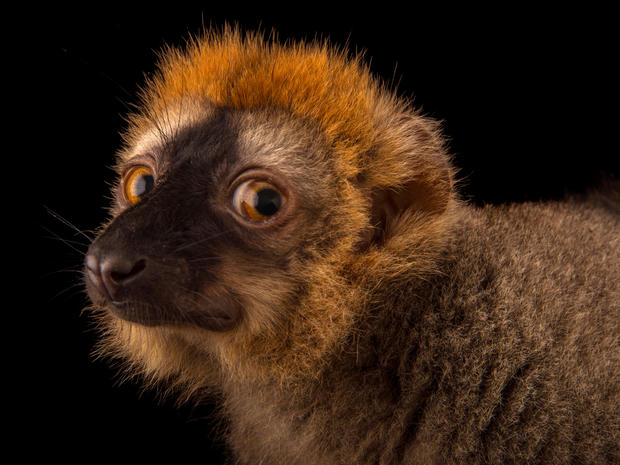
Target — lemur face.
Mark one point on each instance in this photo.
(215, 220)
(264, 192)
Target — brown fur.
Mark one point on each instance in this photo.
(408, 327)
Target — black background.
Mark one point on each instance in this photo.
(523, 95)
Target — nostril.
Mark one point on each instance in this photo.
(119, 275)
(117, 272)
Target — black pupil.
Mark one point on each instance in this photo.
(144, 184)
(267, 202)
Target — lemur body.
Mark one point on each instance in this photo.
(286, 234)
(475, 366)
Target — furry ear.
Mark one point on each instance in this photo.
(418, 179)
(427, 194)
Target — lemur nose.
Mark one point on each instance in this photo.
(112, 272)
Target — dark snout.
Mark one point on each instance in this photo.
(137, 278)
(126, 282)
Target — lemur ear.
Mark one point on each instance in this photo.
(428, 195)
(422, 185)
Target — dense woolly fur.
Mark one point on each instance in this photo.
(407, 326)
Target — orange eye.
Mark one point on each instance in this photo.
(137, 182)
(257, 201)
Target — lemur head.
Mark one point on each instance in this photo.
(264, 192)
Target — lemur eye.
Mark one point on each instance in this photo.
(257, 201)
(137, 182)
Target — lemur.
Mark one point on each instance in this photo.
(287, 235)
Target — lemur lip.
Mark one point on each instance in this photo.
(221, 320)
(224, 315)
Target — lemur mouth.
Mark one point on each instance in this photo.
(148, 315)
(149, 301)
